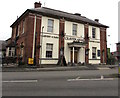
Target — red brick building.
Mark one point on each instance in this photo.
(76, 37)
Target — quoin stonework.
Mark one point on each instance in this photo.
(46, 34)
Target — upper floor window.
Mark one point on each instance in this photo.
(23, 26)
(93, 32)
(74, 29)
(18, 30)
(13, 32)
(22, 49)
(50, 25)
(49, 49)
(94, 52)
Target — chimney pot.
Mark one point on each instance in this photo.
(97, 20)
(37, 4)
(78, 14)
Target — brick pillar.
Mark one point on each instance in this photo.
(29, 37)
(61, 35)
(30, 33)
(103, 45)
(38, 31)
(86, 28)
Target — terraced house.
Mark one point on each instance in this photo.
(46, 34)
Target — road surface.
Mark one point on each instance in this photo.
(59, 83)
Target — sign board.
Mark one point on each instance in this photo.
(30, 61)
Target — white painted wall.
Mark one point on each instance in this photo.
(94, 61)
(80, 35)
(68, 31)
(81, 55)
(45, 24)
(97, 33)
(94, 43)
(67, 51)
(69, 27)
(54, 41)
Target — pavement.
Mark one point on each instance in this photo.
(15, 68)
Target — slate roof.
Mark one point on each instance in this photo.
(61, 14)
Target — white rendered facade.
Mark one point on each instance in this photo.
(53, 38)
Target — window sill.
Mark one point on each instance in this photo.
(94, 59)
(48, 58)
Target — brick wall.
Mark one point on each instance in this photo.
(103, 45)
(29, 40)
(27, 36)
(38, 30)
(61, 33)
(87, 42)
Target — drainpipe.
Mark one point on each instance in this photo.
(41, 39)
(33, 50)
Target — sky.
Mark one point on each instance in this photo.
(104, 10)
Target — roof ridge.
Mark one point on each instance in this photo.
(50, 11)
(58, 10)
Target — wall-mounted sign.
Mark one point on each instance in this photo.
(48, 36)
(75, 39)
(66, 38)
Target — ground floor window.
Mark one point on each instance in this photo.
(11, 51)
(94, 52)
(49, 50)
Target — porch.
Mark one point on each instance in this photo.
(77, 52)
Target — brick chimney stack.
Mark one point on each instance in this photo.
(37, 4)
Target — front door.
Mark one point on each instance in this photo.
(75, 56)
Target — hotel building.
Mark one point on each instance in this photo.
(45, 34)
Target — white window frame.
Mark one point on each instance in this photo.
(94, 53)
(11, 52)
(49, 48)
(93, 32)
(74, 29)
(50, 26)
